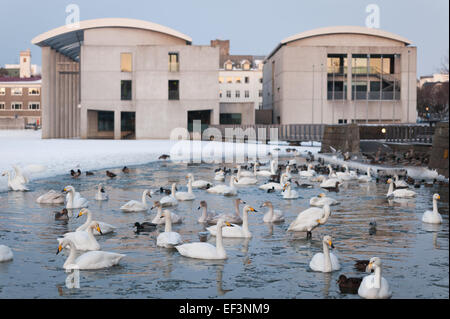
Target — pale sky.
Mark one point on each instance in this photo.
(253, 26)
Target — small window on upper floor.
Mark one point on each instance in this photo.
(247, 94)
(228, 94)
(174, 89)
(2, 91)
(228, 65)
(260, 80)
(174, 65)
(16, 105)
(2, 105)
(125, 90)
(246, 65)
(247, 79)
(238, 94)
(34, 91)
(16, 91)
(229, 79)
(237, 79)
(126, 62)
(220, 79)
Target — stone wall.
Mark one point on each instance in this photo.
(341, 137)
(11, 123)
(439, 151)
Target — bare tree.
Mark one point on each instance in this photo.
(444, 64)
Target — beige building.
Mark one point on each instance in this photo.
(341, 75)
(435, 78)
(125, 78)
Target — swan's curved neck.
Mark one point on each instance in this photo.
(204, 213)
(377, 283)
(391, 188)
(236, 208)
(270, 212)
(327, 259)
(283, 179)
(232, 181)
(435, 207)
(173, 190)
(88, 219)
(272, 167)
(245, 220)
(219, 242)
(168, 224)
(144, 199)
(368, 172)
(190, 185)
(90, 232)
(327, 211)
(72, 255)
(70, 197)
(159, 211)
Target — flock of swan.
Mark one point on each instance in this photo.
(233, 225)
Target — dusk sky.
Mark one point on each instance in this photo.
(253, 27)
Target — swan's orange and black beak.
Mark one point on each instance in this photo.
(59, 249)
(99, 230)
(331, 244)
(64, 190)
(228, 224)
(253, 210)
(80, 214)
(438, 197)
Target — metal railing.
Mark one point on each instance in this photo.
(410, 133)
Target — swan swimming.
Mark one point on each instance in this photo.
(203, 250)
(106, 228)
(51, 197)
(321, 200)
(224, 189)
(74, 199)
(170, 200)
(189, 195)
(374, 286)
(403, 193)
(220, 175)
(135, 206)
(85, 239)
(6, 253)
(159, 219)
(169, 238)
(231, 218)
(234, 230)
(365, 178)
(276, 186)
(433, 217)
(245, 179)
(272, 216)
(199, 183)
(89, 260)
(18, 182)
(326, 261)
(309, 219)
(267, 173)
(206, 217)
(288, 193)
(310, 172)
(101, 193)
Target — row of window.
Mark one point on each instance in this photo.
(126, 62)
(238, 94)
(18, 106)
(126, 90)
(237, 79)
(19, 91)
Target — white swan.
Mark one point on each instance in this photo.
(245, 179)
(101, 193)
(330, 183)
(106, 228)
(310, 218)
(347, 175)
(74, 199)
(6, 253)
(403, 193)
(267, 173)
(321, 200)
(374, 286)
(135, 206)
(168, 201)
(365, 178)
(224, 189)
(168, 238)
(199, 183)
(220, 175)
(51, 197)
(85, 239)
(326, 261)
(288, 193)
(206, 217)
(159, 219)
(310, 172)
(241, 173)
(189, 195)
(234, 230)
(277, 186)
(205, 250)
(231, 218)
(16, 183)
(433, 217)
(89, 260)
(331, 174)
(272, 216)
(398, 183)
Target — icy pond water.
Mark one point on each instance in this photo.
(272, 264)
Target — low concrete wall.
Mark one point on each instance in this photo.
(341, 137)
(263, 116)
(11, 123)
(439, 151)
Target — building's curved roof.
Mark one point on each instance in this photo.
(342, 30)
(67, 39)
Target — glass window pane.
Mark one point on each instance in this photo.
(125, 62)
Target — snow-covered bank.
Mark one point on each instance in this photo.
(25, 148)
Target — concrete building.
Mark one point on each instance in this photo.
(125, 78)
(435, 78)
(24, 69)
(341, 74)
(240, 85)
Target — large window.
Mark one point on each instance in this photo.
(220, 79)
(126, 62)
(105, 121)
(125, 90)
(2, 105)
(247, 93)
(34, 91)
(237, 79)
(2, 91)
(34, 106)
(16, 91)
(337, 76)
(238, 94)
(228, 94)
(231, 118)
(174, 89)
(229, 79)
(174, 65)
(16, 105)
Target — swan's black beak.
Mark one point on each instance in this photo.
(59, 249)
(199, 207)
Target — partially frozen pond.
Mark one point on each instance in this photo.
(272, 264)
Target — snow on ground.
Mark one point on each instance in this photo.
(27, 150)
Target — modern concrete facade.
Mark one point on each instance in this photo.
(341, 75)
(125, 78)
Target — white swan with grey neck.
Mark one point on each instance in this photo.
(326, 261)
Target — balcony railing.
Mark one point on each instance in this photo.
(174, 95)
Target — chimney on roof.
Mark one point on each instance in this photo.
(224, 46)
(25, 64)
